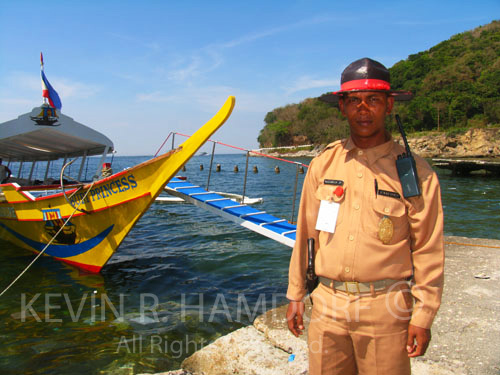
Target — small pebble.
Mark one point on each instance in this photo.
(481, 275)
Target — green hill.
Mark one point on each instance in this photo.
(456, 86)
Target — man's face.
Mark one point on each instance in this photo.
(366, 111)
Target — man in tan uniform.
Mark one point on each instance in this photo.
(5, 173)
(379, 255)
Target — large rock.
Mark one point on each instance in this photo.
(273, 325)
(473, 143)
(245, 352)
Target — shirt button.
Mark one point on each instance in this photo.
(360, 174)
(356, 206)
(351, 237)
(360, 152)
(347, 269)
(386, 210)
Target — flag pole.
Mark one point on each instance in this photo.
(41, 70)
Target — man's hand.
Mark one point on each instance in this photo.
(294, 316)
(421, 335)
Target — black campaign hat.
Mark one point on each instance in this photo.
(365, 75)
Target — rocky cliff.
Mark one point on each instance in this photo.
(477, 143)
(473, 143)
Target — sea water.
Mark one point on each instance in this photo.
(181, 279)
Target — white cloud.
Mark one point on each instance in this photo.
(210, 98)
(24, 81)
(66, 88)
(72, 89)
(307, 82)
(252, 37)
(134, 78)
(151, 46)
(437, 22)
(192, 69)
(210, 57)
(155, 97)
(198, 63)
(16, 101)
(276, 30)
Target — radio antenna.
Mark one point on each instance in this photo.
(402, 131)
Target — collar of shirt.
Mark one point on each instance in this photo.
(372, 154)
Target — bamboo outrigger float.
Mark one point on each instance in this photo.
(92, 219)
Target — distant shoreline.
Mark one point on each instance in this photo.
(474, 143)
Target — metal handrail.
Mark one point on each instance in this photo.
(298, 165)
(246, 150)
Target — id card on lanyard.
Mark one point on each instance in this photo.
(327, 216)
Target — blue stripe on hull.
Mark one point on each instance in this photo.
(62, 251)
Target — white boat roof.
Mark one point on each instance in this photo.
(24, 139)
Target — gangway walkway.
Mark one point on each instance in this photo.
(248, 217)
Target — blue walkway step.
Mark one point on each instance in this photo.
(258, 221)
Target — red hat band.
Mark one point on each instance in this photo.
(365, 75)
(365, 84)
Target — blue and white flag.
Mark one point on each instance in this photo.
(47, 89)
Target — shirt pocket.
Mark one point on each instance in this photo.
(392, 209)
(327, 193)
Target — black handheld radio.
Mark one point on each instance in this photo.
(407, 169)
(311, 278)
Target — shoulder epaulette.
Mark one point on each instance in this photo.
(333, 144)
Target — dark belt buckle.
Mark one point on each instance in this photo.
(347, 289)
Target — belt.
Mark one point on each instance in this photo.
(355, 287)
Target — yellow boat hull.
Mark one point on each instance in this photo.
(109, 211)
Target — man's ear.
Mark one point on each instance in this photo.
(341, 106)
(390, 104)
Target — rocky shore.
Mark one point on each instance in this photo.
(474, 143)
(477, 143)
(465, 334)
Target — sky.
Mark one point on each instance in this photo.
(137, 70)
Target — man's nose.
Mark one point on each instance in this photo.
(363, 105)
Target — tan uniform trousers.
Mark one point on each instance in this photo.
(360, 333)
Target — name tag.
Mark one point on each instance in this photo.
(391, 194)
(333, 182)
(327, 216)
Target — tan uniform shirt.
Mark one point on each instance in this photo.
(355, 251)
(3, 172)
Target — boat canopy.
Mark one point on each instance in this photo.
(44, 135)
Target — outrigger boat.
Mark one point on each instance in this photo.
(82, 224)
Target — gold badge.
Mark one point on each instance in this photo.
(385, 230)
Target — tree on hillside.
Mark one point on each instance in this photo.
(310, 121)
(459, 76)
(456, 84)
